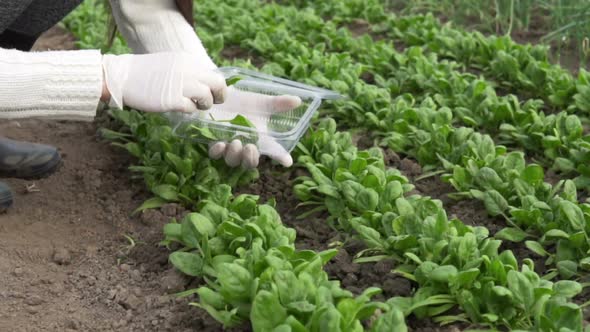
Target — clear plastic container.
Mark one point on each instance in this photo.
(269, 127)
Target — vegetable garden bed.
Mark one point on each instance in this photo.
(459, 202)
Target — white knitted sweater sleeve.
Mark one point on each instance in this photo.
(59, 85)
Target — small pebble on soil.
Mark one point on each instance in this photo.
(62, 256)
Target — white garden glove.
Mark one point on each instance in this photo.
(151, 26)
(248, 155)
(161, 82)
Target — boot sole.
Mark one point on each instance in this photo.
(44, 171)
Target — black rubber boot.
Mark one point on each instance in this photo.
(25, 160)
(5, 197)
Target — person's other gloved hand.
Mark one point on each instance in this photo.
(151, 26)
(162, 82)
(248, 156)
(156, 26)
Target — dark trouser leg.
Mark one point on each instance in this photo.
(14, 40)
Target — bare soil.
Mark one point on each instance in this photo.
(359, 27)
(232, 52)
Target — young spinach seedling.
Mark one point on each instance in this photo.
(233, 80)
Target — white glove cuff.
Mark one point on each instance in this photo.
(116, 71)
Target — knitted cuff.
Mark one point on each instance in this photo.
(61, 84)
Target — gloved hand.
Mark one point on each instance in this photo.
(151, 26)
(248, 156)
(162, 82)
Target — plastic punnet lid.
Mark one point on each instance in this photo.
(319, 92)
